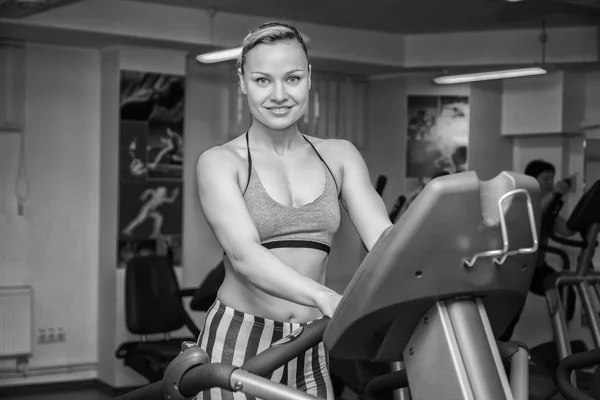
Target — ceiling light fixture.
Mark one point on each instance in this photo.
(489, 75)
(219, 56)
(501, 73)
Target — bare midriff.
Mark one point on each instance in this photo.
(237, 292)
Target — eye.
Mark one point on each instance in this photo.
(262, 81)
(294, 79)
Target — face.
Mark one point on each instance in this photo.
(546, 180)
(276, 81)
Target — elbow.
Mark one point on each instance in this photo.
(240, 259)
(236, 259)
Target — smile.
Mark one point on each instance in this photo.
(279, 110)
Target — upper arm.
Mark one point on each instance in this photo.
(222, 202)
(365, 206)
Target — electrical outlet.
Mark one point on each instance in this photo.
(42, 336)
(51, 335)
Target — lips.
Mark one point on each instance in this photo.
(279, 109)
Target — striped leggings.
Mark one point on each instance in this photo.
(230, 336)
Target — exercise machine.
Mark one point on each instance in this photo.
(585, 219)
(434, 292)
(586, 359)
(154, 306)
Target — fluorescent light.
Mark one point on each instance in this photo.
(218, 56)
(489, 75)
(229, 54)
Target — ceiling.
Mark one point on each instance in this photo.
(394, 16)
(411, 16)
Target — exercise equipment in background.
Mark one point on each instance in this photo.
(153, 305)
(380, 184)
(579, 361)
(585, 219)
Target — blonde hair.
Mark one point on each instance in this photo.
(269, 32)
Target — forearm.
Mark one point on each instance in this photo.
(270, 274)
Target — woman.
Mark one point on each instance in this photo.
(271, 196)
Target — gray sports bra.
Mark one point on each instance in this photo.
(312, 225)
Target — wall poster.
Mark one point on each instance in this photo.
(150, 165)
(437, 138)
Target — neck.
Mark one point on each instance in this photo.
(277, 140)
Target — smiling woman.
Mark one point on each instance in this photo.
(272, 198)
(275, 82)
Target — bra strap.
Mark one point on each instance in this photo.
(323, 161)
(249, 162)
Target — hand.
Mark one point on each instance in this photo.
(327, 302)
(563, 186)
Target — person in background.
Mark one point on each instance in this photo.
(545, 173)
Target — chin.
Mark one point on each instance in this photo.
(279, 124)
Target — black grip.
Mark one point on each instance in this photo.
(397, 207)
(384, 384)
(266, 362)
(565, 368)
(380, 185)
(204, 377)
(152, 391)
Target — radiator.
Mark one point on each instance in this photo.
(16, 319)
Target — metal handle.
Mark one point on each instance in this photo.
(504, 252)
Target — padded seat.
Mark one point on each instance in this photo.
(153, 305)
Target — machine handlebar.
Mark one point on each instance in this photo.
(565, 368)
(191, 372)
(286, 349)
(203, 377)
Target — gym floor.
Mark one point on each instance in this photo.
(49, 393)
(96, 395)
(68, 395)
(85, 390)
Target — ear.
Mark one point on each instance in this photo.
(241, 79)
(309, 76)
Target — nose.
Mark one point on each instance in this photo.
(279, 93)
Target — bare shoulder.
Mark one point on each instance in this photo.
(227, 156)
(337, 150)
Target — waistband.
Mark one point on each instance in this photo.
(246, 318)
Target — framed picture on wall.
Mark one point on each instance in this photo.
(151, 144)
(437, 135)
